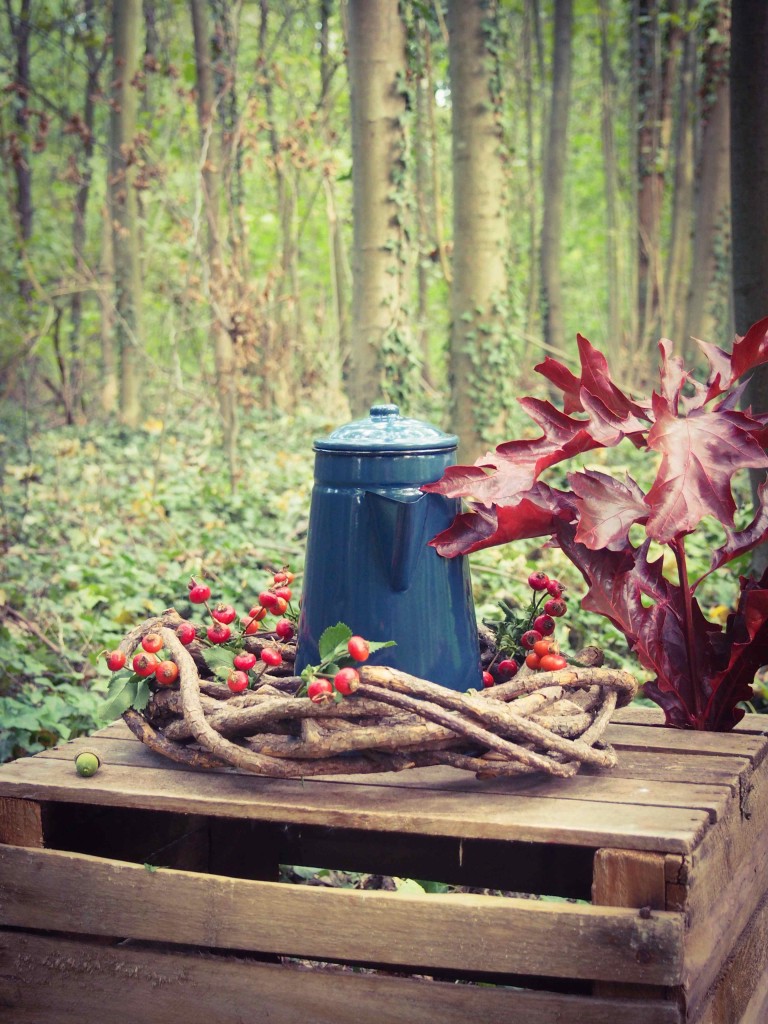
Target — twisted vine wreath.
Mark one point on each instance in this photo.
(549, 722)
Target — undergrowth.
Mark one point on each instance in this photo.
(101, 527)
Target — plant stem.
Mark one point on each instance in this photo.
(678, 546)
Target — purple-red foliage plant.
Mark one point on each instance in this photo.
(698, 438)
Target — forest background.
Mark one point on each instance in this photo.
(228, 227)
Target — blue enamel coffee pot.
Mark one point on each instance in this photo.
(368, 562)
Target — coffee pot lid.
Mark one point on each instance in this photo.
(385, 430)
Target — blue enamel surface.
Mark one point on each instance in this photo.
(369, 564)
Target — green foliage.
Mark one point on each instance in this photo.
(101, 528)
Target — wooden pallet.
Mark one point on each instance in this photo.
(153, 891)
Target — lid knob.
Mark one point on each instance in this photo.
(384, 412)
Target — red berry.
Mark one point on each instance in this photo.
(320, 691)
(186, 632)
(283, 592)
(280, 577)
(555, 588)
(166, 673)
(258, 613)
(115, 660)
(224, 613)
(152, 642)
(266, 598)
(507, 668)
(538, 580)
(272, 657)
(219, 634)
(530, 637)
(488, 679)
(555, 607)
(358, 648)
(145, 663)
(532, 660)
(237, 681)
(543, 647)
(552, 662)
(346, 680)
(250, 624)
(279, 606)
(244, 661)
(199, 593)
(545, 624)
(284, 629)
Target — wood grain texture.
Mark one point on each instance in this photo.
(57, 981)
(636, 714)
(494, 812)
(72, 892)
(628, 878)
(740, 993)
(605, 787)
(724, 880)
(736, 744)
(21, 822)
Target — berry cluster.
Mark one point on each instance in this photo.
(328, 679)
(334, 677)
(528, 639)
(245, 667)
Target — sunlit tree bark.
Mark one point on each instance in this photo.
(223, 347)
(554, 177)
(126, 37)
(480, 227)
(376, 74)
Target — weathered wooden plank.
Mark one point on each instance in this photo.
(497, 814)
(737, 744)
(48, 889)
(740, 994)
(58, 981)
(611, 786)
(671, 766)
(724, 879)
(628, 878)
(21, 822)
(656, 766)
(640, 714)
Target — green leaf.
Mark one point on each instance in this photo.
(377, 645)
(122, 694)
(219, 660)
(141, 699)
(332, 638)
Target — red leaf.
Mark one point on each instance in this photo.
(607, 508)
(749, 351)
(741, 541)
(701, 452)
(516, 465)
(534, 515)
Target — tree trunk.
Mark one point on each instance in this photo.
(20, 29)
(223, 347)
(749, 203)
(478, 296)
(678, 276)
(376, 72)
(712, 215)
(650, 180)
(554, 177)
(615, 345)
(126, 37)
(73, 385)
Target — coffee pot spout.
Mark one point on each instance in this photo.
(399, 528)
